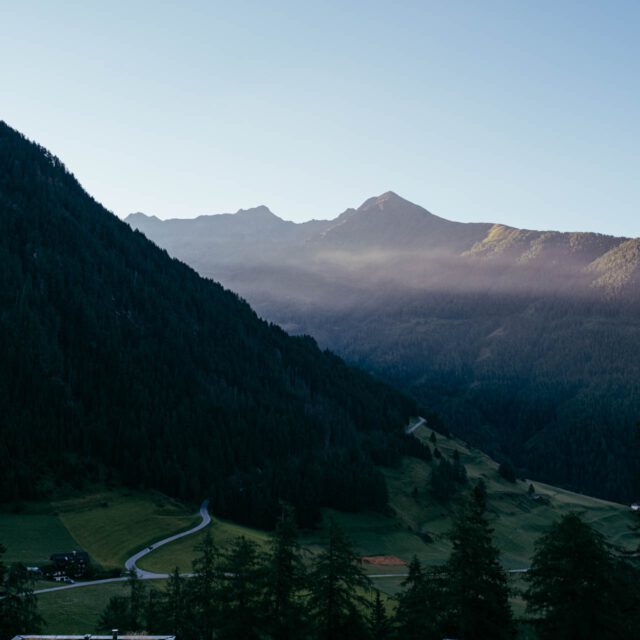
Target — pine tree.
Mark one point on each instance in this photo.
(480, 494)
(477, 589)
(239, 592)
(420, 605)
(337, 582)
(18, 605)
(116, 615)
(412, 608)
(173, 615)
(202, 589)
(380, 627)
(285, 579)
(572, 583)
(137, 598)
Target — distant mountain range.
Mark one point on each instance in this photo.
(526, 342)
(390, 231)
(121, 365)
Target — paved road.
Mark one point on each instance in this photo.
(131, 563)
(412, 428)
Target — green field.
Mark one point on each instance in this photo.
(111, 525)
(32, 538)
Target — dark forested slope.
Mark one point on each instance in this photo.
(120, 364)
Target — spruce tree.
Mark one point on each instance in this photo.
(173, 615)
(116, 614)
(380, 627)
(137, 592)
(412, 610)
(420, 605)
(480, 494)
(572, 583)
(336, 585)
(239, 592)
(285, 580)
(202, 589)
(18, 604)
(477, 589)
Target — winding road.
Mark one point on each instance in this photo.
(131, 563)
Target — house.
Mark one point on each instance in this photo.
(73, 564)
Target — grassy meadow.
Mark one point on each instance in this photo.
(109, 525)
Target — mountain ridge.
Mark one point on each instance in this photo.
(390, 223)
(379, 200)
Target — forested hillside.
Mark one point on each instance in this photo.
(121, 364)
(527, 343)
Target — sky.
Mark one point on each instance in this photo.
(520, 112)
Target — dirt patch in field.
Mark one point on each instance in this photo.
(386, 561)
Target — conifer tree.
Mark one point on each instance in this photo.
(477, 589)
(285, 579)
(411, 611)
(480, 494)
(18, 605)
(173, 615)
(203, 588)
(239, 592)
(137, 594)
(116, 614)
(337, 582)
(380, 627)
(420, 605)
(572, 583)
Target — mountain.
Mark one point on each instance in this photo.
(122, 365)
(526, 343)
(390, 222)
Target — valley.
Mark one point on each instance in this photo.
(525, 343)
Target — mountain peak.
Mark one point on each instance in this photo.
(383, 201)
(261, 212)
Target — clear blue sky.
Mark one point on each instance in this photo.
(524, 112)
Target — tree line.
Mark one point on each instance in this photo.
(576, 588)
